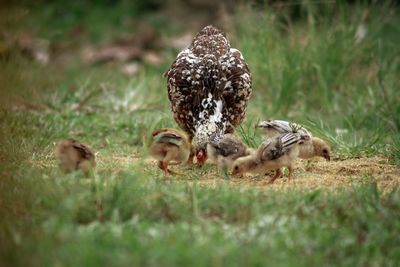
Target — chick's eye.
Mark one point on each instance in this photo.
(325, 151)
(236, 168)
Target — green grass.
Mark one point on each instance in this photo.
(306, 66)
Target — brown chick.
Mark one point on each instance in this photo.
(275, 153)
(72, 156)
(313, 147)
(169, 145)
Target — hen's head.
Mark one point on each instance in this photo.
(200, 143)
(210, 30)
(210, 36)
(201, 156)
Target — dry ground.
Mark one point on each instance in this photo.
(333, 175)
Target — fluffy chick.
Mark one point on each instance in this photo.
(226, 150)
(169, 145)
(313, 147)
(275, 153)
(72, 156)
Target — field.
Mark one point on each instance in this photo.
(331, 66)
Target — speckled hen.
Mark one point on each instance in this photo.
(209, 85)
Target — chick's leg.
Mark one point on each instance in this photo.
(173, 172)
(278, 173)
(164, 165)
(85, 167)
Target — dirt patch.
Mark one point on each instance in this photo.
(344, 173)
(317, 174)
(331, 175)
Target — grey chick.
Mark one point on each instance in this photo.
(73, 155)
(313, 147)
(275, 153)
(226, 150)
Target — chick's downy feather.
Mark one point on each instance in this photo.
(73, 155)
(275, 153)
(274, 128)
(168, 145)
(223, 151)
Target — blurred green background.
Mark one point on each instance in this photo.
(93, 70)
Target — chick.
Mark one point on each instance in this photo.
(275, 153)
(314, 147)
(226, 150)
(169, 145)
(72, 156)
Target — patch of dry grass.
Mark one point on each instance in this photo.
(319, 174)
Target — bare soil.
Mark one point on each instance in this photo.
(329, 175)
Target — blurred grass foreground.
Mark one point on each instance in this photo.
(92, 70)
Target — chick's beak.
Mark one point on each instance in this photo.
(327, 157)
